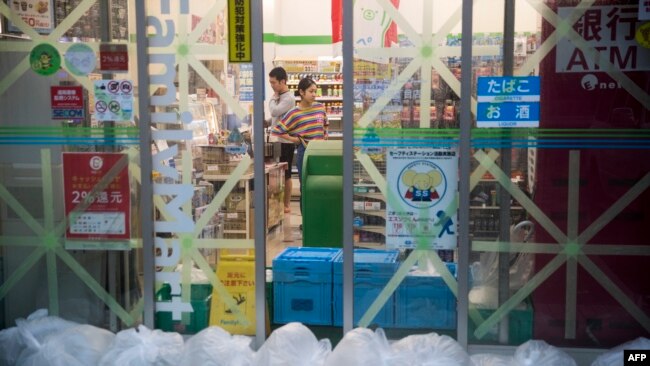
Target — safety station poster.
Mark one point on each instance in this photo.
(422, 186)
(97, 196)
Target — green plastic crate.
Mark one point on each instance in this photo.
(191, 323)
(520, 326)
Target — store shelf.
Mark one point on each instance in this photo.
(242, 227)
(493, 207)
(325, 99)
(319, 82)
(377, 213)
(377, 196)
(370, 245)
(222, 177)
(372, 228)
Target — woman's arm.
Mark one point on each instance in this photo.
(286, 136)
(283, 128)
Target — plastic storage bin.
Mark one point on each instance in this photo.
(372, 271)
(520, 325)
(302, 285)
(425, 302)
(191, 323)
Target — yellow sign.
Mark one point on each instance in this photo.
(643, 35)
(239, 31)
(367, 69)
(238, 278)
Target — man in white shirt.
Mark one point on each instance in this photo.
(281, 102)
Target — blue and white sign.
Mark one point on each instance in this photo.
(246, 82)
(422, 187)
(508, 101)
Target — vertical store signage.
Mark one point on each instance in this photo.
(67, 102)
(113, 100)
(96, 196)
(508, 101)
(162, 61)
(239, 31)
(422, 187)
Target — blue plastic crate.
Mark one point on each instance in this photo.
(425, 302)
(302, 285)
(304, 264)
(374, 261)
(372, 271)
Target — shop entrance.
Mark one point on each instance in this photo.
(487, 167)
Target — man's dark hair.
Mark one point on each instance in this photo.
(279, 73)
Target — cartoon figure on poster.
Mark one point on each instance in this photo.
(446, 222)
(422, 186)
(422, 181)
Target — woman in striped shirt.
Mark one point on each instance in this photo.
(303, 123)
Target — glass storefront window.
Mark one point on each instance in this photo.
(70, 240)
(407, 100)
(556, 211)
(558, 175)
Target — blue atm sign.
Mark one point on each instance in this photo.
(508, 101)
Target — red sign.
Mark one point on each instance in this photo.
(97, 196)
(577, 94)
(67, 102)
(389, 36)
(113, 57)
(66, 97)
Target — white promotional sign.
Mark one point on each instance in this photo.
(373, 27)
(422, 186)
(37, 14)
(113, 100)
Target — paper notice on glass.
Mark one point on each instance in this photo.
(421, 207)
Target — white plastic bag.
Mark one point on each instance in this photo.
(10, 346)
(614, 357)
(214, 346)
(293, 345)
(144, 347)
(363, 347)
(81, 345)
(488, 359)
(485, 273)
(540, 353)
(38, 324)
(431, 350)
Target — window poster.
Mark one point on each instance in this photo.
(113, 100)
(97, 196)
(421, 207)
(37, 14)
